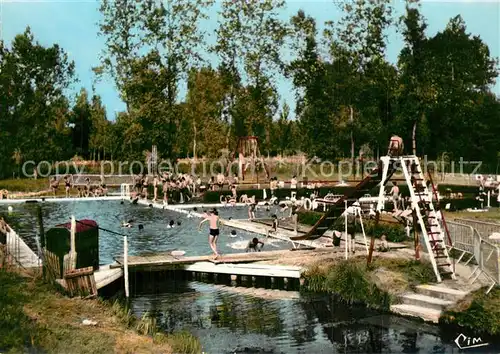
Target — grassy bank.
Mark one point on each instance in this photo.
(25, 184)
(376, 286)
(478, 313)
(35, 315)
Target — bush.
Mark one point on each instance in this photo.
(182, 342)
(309, 217)
(349, 282)
(416, 272)
(460, 204)
(481, 316)
(393, 232)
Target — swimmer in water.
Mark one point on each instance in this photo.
(252, 245)
(127, 224)
(233, 233)
(171, 224)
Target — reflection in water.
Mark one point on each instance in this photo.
(227, 322)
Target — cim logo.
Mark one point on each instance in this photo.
(464, 342)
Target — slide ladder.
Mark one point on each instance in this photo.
(327, 221)
(431, 221)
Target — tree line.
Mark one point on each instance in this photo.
(349, 98)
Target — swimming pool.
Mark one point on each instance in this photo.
(155, 237)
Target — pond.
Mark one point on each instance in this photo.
(227, 321)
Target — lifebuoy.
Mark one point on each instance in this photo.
(307, 204)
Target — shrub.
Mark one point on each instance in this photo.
(349, 282)
(481, 316)
(309, 217)
(416, 272)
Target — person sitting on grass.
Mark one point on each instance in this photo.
(384, 246)
(252, 245)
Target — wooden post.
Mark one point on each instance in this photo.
(372, 241)
(489, 196)
(125, 265)
(73, 242)
(346, 235)
(416, 235)
(40, 227)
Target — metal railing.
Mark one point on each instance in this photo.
(484, 228)
(470, 238)
(490, 260)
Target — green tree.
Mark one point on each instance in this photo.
(34, 112)
(99, 141)
(283, 132)
(253, 32)
(82, 119)
(309, 75)
(204, 109)
(357, 43)
(120, 25)
(416, 93)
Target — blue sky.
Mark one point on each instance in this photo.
(72, 24)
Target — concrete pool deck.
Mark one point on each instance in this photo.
(56, 199)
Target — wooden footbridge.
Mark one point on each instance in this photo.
(236, 264)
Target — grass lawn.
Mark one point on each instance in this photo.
(492, 215)
(477, 312)
(34, 315)
(25, 184)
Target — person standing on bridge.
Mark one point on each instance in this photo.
(213, 234)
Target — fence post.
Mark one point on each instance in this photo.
(125, 265)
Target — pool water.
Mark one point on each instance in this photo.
(155, 237)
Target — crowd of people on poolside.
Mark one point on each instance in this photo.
(82, 191)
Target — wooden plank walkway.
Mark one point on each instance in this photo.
(230, 269)
(19, 250)
(166, 259)
(107, 275)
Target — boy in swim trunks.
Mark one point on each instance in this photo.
(213, 235)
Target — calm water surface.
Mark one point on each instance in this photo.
(225, 319)
(155, 237)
